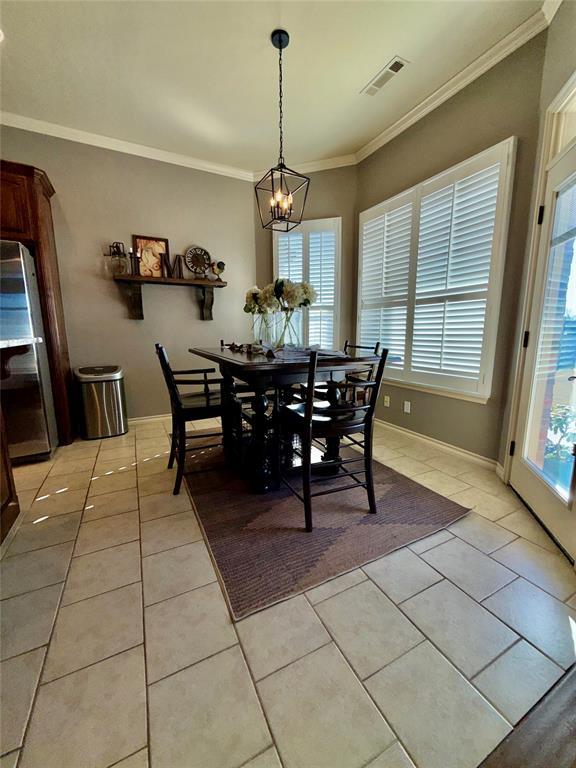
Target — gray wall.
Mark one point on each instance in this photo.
(102, 196)
(560, 60)
(503, 102)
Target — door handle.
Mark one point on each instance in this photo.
(571, 378)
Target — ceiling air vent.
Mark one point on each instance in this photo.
(387, 73)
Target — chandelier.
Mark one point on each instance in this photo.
(281, 193)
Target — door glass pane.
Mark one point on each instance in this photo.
(552, 420)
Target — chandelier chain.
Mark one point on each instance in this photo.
(280, 109)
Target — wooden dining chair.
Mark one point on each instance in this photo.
(367, 371)
(313, 422)
(204, 403)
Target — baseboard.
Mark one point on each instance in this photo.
(158, 417)
(500, 471)
(454, 449)
(13, 531)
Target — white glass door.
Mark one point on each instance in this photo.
(543, 465)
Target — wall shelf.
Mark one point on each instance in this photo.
(131, 287)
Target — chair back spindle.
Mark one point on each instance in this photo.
(168, 376)
(309, 410)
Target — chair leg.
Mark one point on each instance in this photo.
(369, 472)
(173, 443)
(181, 460)
(306, 481)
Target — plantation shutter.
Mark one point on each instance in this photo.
(291, 255)
(322, 276)
(453, 268)
(312, 253)
(431, 265)
(385, 258)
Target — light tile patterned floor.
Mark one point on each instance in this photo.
(118, 649)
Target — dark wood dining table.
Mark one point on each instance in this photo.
(263, 375)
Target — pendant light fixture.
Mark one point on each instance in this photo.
(281, 193)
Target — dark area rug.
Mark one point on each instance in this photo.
(259, 543)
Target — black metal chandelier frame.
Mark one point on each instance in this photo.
(281, 194)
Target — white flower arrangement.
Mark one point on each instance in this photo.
(281, 295)
(273, 308)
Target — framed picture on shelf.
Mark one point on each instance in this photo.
(151, 251)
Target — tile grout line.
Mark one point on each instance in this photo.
(361, 682)
(39, 549)
(523, 637)
(106, 592)
(102, 549)
(373, 759)
(132, 754)
(530, 580)
(346, 589)
(177, 546)
(289, 663)
(499, 656)
(47, 646)
(114, 514)
(238, 639)
(262, 752)
(193, 664)
(144, 646)
(92, 663)
(489, 554)
(258, 697)
(425, 639)
(179, 594)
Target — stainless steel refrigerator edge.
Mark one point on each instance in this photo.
(25, 389)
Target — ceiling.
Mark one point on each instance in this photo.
(200, 78)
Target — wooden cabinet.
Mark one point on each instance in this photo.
(26, 216)
(15, 207)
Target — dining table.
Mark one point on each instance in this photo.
(258, 374)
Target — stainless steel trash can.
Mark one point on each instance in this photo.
(103, 400)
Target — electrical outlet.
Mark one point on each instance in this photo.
(406, 406)
(386, 401)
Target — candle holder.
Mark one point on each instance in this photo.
(134, 262)
(118, 260)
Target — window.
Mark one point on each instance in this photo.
(431, 263)
(312, 252)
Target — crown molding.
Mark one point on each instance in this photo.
(117, 145)
(504, 47)
(316, 165)
(550, 8)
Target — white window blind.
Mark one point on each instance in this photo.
(312, 253)
(431, 263)
(384, 282)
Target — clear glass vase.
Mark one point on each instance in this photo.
(277, 329)
(262, 329)
(288, 329)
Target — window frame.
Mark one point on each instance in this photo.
(333, 224)
(438, 383)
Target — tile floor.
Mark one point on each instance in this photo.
(118, 648)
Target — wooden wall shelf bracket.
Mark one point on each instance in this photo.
(131, 288)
